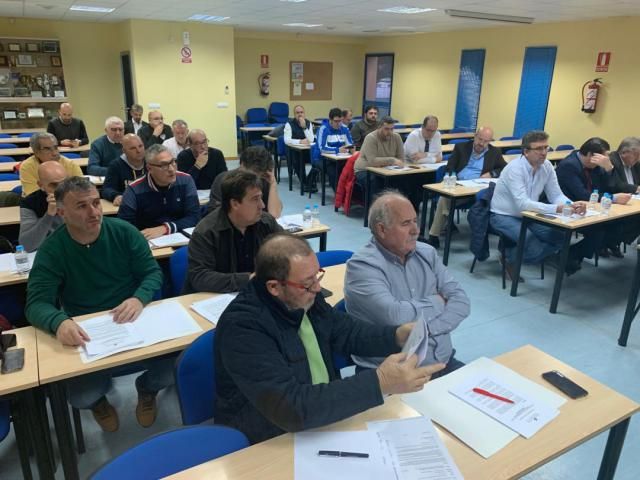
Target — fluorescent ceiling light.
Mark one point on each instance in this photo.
(86, 8)
(293, 1)
(207, 18)
(305, 25)
(406, 10)
(489, 16)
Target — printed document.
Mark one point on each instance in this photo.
(172, 240)
(188, 231)
(212, 308)
(475, 183)
(107, 335)
(287, 221)
(203, 195)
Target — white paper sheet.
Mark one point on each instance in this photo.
(308, 465)
(203, 195)
(575, 216)
(418, 341)
(416, 450)
(107, 336)
(172, 240)
(157, 323)
(212, 308)
(291, 220)
(479, 431)
(397, 167)
(189, 231)
(475, 183)
(96, 180)
(524, 415)
(8, 262)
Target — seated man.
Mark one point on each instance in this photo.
(274, 347)
(45, 149)
(364, 127)
(69, 131)
(472, 159)
(578, 175)
(164, 201)
(106, 148)
(89, 265)
(259, 161)
(136, 122)
(179, 141)
(518, 189)
(202, 162)
(626, 166)
(38, 212)
(298, 131)
(224, 244)
(395, 280)
(347, 118)
(155, 132)
(127, 169)
(424, 145)
(332, 138)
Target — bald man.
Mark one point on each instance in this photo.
(69, 131)
(38, 213)
(473, 159)
(125, 170)
(156, 132)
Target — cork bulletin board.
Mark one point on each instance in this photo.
(310, 80)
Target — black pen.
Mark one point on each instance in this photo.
(336, 453)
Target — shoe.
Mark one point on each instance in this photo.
(454, 230)
(616, 252)
(311, 188)
(573, 265)
(433, 241)
(105, 415)
(509, 269)
(146, 410)
(603, 252)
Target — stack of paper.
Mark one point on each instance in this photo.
(418, 341)
(172, 240)
(8, 262)
(475, 183)
(212, 308)
(203, 195)
(288, 221)
(158, 323)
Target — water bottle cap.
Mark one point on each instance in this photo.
(567, 202)
(19, 249)
(307, 207)
(315, 205)
(595, 190)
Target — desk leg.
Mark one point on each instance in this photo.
(423, 212)
(301, 170)
(564, 256)
(632, 308)
(66, 445)
(323, 177)
(367, 199)
(447, 237)
(276, 160)
(323, 242)
(289, 167)
(519, 255)
(21, 425)
(245, 140)
(612, 450)
(39, 425)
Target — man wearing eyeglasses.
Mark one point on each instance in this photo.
(394, 280)
(201, 161)
(224, 245)
(162, 202)
(275, 344)
(424, 145)
(518, 189)
(332, 138)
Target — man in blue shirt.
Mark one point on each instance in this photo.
(473, 159)
(332, 138)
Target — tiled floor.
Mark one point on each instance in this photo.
(583, 333)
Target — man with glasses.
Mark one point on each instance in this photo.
(106, 148)
(156, 131)
(201, 161)
(519, 188)
(394, 280)
(424, 145)
(364, 127)
(162, 202)
(275, 344)
(45, 149)
(332, 138)
(224, 245)
(129, 167)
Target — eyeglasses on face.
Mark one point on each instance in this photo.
(165, 165)
(307, 288)
(540, 149)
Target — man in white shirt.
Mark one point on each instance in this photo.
(298, 131)
(424, 144)
(178, 143)
(518, 189)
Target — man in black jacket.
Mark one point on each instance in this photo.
(125, 170)
(274, 346)
(69, 131)
(202, 162)
(136, 122)
(471, 160)
(156, 131)
(626, 166)
(224, 244)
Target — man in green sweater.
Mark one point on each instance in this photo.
(88, 265)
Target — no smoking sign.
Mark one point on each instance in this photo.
(185, 53)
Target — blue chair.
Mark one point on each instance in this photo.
(8, 145)
(446, 156)
(565, 146)
(5, 135)
(257, 115)
(458, 140)
(333, 257)
(4, 159)
(17, 189)
(399, 125)
(509, 138)
(5, 419)
(416, 125)
(339, 360)
(178, 270)
(195, 380)
(239, 123)
(171, 452)
(279, 112)
(514, 151)
(71, 155)
(7, 177)
(25, 135)
(459, 130)
(323, 121)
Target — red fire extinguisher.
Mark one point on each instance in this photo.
(590, 95)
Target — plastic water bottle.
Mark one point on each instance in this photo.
(447, 181)
(567, 211)
(22, 260)
(605, 203)
(306, 217)
(315, 216)
(593, 200)
(453, 178)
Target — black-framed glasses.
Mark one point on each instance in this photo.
(165, 165)
(315, 281)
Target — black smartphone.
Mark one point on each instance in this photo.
(12, 361)
(294, 229)
(7, 340)
(565, 385)
(326, 293)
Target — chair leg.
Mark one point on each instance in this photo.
(596, 258)
(473, 264)
(504, 274)
(77, 426)
(458, 214)
(542, 270)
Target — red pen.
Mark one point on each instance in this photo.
(492, 395)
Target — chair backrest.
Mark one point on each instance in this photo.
(17, 189)
(178, 270)
(257, 115)
(4, 159)
(6, 177)
(565, 146)
(71, 155)
(459, 130)
(459, 140)
(509, 138)
(514, 151)
(25, 135)
(173, 451)
(5, 135)
(440, 173)
(399, 125)
(8, 145)
(333, 257)
(279, 112)
(195, 380)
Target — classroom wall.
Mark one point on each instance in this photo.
(346, 53)
(427, 68)
(90, 57)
